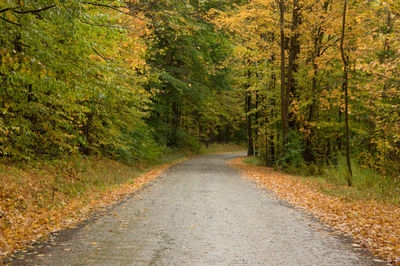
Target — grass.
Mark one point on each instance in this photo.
(366, 184)
(48, 183)
(252, 160)
(222, 148)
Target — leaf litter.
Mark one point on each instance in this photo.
(372, 225)
(21, 227)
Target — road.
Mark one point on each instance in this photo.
(200, 212)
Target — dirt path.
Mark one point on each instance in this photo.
(200, 212)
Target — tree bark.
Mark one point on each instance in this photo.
(250, 147)
(284, 104)
(345, 85)
(294, 49)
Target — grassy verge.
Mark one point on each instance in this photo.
(373, 224)
(39, 197)
(221, 148)
(367, 185)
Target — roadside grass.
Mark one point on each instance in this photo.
(39, 197)
(221, 148)
(253, 160)
(367, 185)
(49, 183)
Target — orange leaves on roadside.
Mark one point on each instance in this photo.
(374, 225)
(26, 220)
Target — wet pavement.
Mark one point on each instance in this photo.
(200, 212)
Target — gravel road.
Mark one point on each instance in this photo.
(200, 212)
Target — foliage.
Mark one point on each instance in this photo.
(66, 86)
(293, 158)
(307, 95)
(93, 78)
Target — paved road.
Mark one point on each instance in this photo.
(200, 212)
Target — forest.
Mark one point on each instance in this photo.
(309, 87)
(306, 84)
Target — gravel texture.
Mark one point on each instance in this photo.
(200, 212)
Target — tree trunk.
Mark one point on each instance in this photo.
(345, 85)
(256, 125)
(308, 155)
(250, 147)
(294, 50)
(284, 103)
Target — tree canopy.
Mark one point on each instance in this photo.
(305, 82)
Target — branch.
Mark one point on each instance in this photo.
(118, 10)
(328, 46)
(103, 57)
(93, 24)
(6, 9)
(9, 21)
(106, 6)
(33, 11)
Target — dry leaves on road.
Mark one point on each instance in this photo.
(373, 225)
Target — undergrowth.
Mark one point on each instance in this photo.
(331, 180)
(222, 147)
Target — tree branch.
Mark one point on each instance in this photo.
(6, 9)
(9, 21)
(103, 57)
(106, 6)
(33, 11)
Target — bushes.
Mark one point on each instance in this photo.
(293, 156)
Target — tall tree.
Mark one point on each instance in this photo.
(345, 85)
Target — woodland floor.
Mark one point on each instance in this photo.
(200, 212)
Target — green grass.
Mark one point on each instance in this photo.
(253, 160)
(222, 148)
(331, 180)
(366, 184)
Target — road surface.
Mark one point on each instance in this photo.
(200, 212)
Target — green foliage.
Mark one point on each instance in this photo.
(292, 160)
(111, 78)
(194, 91)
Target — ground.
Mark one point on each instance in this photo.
(200, 212)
